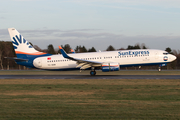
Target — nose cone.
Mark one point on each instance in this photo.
(173, 57)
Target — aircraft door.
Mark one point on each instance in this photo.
(156, 55)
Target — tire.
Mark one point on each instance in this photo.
(92, 73)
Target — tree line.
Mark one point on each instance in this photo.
(6, 50)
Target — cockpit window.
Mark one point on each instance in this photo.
(165, 53)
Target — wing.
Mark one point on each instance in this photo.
(83, 64)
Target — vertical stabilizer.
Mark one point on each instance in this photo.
(22, 47)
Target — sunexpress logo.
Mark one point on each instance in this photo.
(135, 53)
(20, 41)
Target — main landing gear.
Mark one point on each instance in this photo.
(92, 72)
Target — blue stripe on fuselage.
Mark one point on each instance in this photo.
(131, 65)
(145, 64)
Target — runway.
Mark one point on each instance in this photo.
(89, 77)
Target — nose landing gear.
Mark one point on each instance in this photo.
(159, 69)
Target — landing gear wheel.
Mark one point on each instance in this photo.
(92, 73)
(159, 69)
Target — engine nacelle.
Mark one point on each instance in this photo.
(107, 67)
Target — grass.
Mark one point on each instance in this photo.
(87, 72)
(43, 99)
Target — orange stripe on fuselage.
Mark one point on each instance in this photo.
(36, 53)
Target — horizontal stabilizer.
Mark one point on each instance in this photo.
(16, 59)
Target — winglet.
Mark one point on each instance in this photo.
(60, 47)
(63, 52)
(72, 51)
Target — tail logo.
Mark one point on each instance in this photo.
(21, 46)
(20, 40)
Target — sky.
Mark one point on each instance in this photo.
(93, 23)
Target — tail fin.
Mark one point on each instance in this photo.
(22, 48)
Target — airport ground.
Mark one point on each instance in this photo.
(87, 72)
(45, 99)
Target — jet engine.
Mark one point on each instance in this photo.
(107, 67)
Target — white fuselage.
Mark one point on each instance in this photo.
(123, 57)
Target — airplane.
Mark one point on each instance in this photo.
(106, 61)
